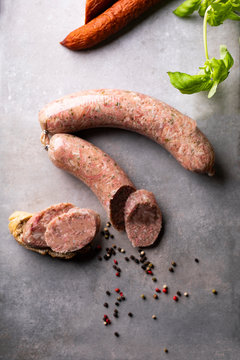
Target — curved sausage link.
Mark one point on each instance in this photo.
(176, 132)
(97, 170)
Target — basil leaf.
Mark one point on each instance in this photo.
(187, 8)
(226, 57)
(203, 7)
(218, 12)
(190, 84)
(213, 89)
(235, 5)
(233, 16)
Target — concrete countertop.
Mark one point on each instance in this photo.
(53, 309)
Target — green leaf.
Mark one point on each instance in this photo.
(190, 84)
(187, 8)
(233, 16)
(219, 12)
(203, 7)
(213, 89)
(226, 57)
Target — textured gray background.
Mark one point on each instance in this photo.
(52, 309)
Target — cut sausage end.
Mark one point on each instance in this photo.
(117, 205)
(143, 218)
(72, 231)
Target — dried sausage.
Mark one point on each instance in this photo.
(96, 7)
(106, 24)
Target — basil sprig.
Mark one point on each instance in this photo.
(214, 71)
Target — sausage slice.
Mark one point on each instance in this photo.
(72, 231)
(143, 218)
(34, 230)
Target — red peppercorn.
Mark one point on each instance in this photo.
(117, 274)
(175, 298)
(115, 261)
(164, 290)
(117, 290)
(105, 316)
(121, 293)
(150, 272)
(158, 290)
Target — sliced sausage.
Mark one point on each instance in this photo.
(97, 170)
(143, 218)
(176, 132)
(34, 230)
(106, 24)
(96, 7)
(72, 231)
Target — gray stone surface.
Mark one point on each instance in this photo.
(52, 309)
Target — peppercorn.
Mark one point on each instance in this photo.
(99, 258)
(154, 279)
(105, 230)
(117, 290)
(158, 290)
(105, 305)
(119, 298)
(173, 263)
(115, 267)
(106, 257)
(111, 236)
(196, 260)
(146, 263)
(139, 250)
(114, 246)
(116, 303)
(150, 265)
(108, 224)
(142, 253)
(186, 294)
(155, 296)
(117, 274)
(116, 334)
(119, 249)
(143, 267)
(113, 252)
(106, 236)
(123, 298)
(171, 269)
(142, 260)
(165, 290)
(165, 350)
(130, 314)
(214, 291)
(136, 261)
(107, 249)
(126, 258)
(150, 272)
(154, 317)
(105, 323)
(175, 298)
(132, 257)
(179, 293)
(108, 293)
(122, 251)
(115, 261)
(148, 268)
(115, 315)
(165, 286)
(116, 311)
(143, 296)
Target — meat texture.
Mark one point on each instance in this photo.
(143, 218)
(95, 8)
(133, 111)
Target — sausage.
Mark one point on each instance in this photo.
(96, 7)
(97, 170)
(143, 218)
(72, 231)
(34, 231)
(129, 110)
(106, 24)
(86, 221)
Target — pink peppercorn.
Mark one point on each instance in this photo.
(164, 290)
(175, 298)
(158, 290)
(117, 274)
(115, 262)
(117, 290)
(121, 293)
(150, 272)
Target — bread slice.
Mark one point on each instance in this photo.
(16, 225)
